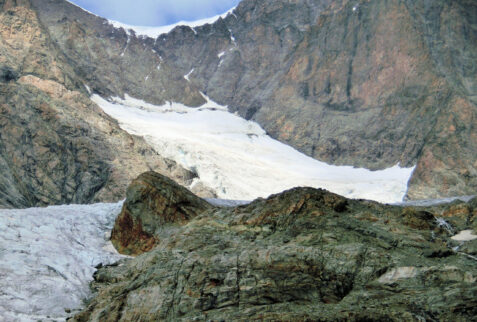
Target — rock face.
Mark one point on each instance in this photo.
(365, 83)
(152, 202)
(56, 146)
(302, 255)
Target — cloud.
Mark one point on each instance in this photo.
(156, 12)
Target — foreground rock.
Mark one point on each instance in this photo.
(304, 254)
(152, 202)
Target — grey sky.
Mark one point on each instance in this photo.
(156, 12)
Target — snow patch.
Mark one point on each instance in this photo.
(238, 160)
(188, 74)
(220, 55)
(398, 273)
(127, 45)
(48, 256)
(155, 32)
(441, 222)
(465, 235)
(232, 38)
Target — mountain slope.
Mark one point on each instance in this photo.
(364, 83)
(58, 147)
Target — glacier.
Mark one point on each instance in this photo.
(48, 257)
(237, 159)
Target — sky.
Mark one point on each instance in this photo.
(156, 12)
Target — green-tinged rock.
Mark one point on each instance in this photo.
(301, 255)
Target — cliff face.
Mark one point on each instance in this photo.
(57, 147)
(363, 83)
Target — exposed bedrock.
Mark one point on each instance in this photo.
(364, 83)
(56, 145)
(304, 254)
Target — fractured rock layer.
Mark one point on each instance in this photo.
(304, 254)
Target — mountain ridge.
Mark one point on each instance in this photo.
(369, 87)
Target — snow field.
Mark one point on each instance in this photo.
(238, 160)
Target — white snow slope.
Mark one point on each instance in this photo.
(238, 160)
(47, 258)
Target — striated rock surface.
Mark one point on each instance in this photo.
(366, 83)
(56, 146)
(152, 202)
(302, 255)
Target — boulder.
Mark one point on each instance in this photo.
(152, 201)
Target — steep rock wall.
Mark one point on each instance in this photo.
(363, 83)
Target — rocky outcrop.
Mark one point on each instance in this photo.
(56, 146)
(152, 202)
(364, 83)
(304, 254)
